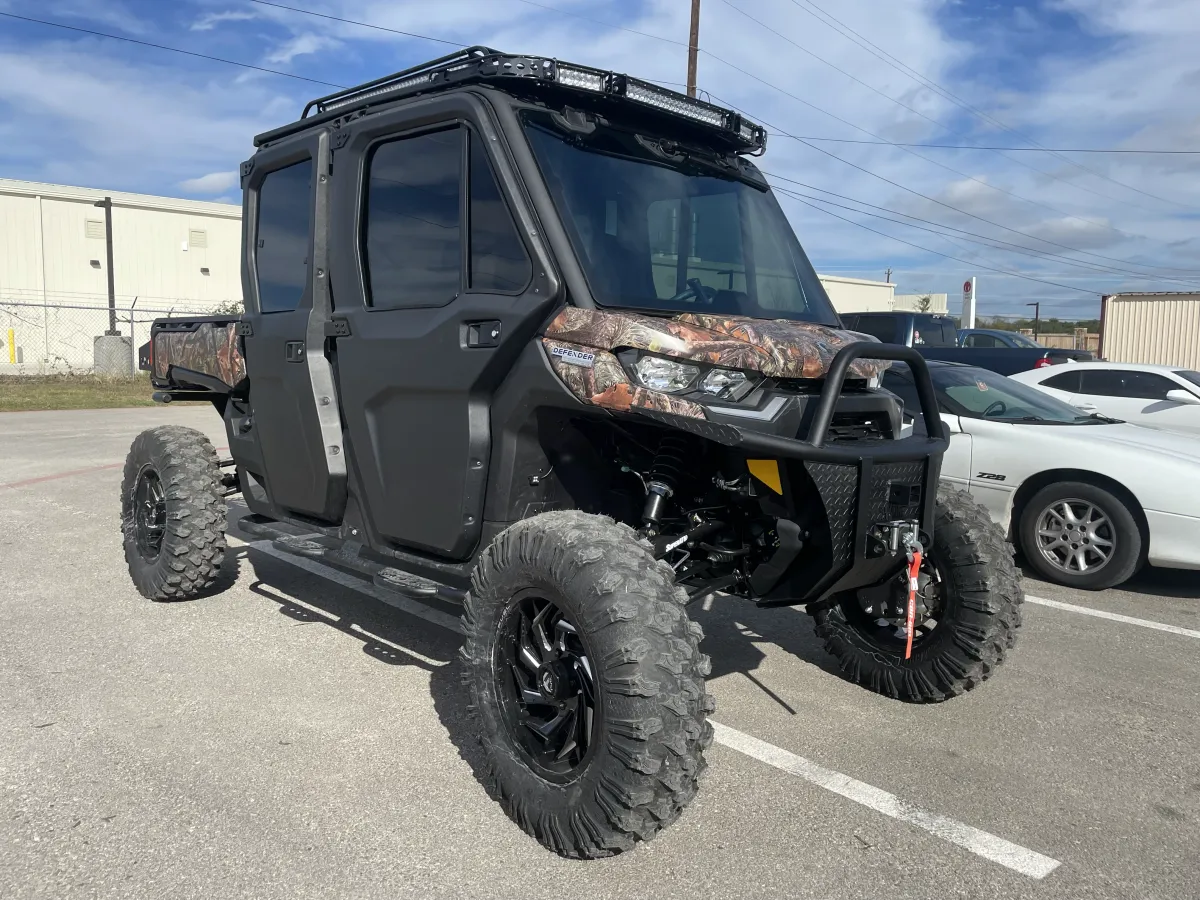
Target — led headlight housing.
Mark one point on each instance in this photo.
(667, 375)
(673, 376)
(726, 384)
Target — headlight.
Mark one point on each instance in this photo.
(726, 384)
(665, 375)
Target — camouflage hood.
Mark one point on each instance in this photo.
(778, 348)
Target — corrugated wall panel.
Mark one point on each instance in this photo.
(1163, 330)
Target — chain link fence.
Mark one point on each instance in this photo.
(60, 338)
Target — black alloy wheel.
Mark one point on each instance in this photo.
(884, 611)
(546, 684)
(149, 514)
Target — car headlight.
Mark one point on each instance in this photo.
(667, 375)
(726, 384)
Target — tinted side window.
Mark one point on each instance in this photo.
(412, 238)
(1067, 381)
(281, 246)
(882, 327)
(1118, 383)
(498, 259)
(982, 342)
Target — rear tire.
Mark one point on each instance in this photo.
(1120, 529)
(642, 749)
(173, 513)
(981, 612)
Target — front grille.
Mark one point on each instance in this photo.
(816, 385)
(859, 427)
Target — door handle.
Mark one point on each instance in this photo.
(483, 334)
(293, 351)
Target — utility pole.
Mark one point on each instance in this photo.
(693, 48)
(888, 276)
(1037, 317)
(106, 205)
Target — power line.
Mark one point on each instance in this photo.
(118, 37)
(969, 262)
(1029, 251)
(1007, 149)
(886, 57)
(939, 124)
(774, 87)
(309, 12)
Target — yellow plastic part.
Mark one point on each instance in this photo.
(766, 471)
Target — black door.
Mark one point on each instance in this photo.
(440, 295)
(294, 422)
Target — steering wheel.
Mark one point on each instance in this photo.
(695, 289)
(998, 407)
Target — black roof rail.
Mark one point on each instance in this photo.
(387, 82)
(483, 65)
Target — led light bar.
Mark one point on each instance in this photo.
(584, 79)
(355, 99)
(676, 103)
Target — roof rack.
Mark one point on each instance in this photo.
(483, 64)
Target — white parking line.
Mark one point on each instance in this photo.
(1114, 617)
(981, 843)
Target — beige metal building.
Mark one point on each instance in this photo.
(938, 303)
(169, 254)
(1161, 328)
(858, 294)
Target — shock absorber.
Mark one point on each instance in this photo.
(664, 476)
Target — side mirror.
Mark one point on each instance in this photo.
(951, 423)
(1179, 395)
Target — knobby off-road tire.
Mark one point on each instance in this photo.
(981, 612)
(650, 730)
(190, 515)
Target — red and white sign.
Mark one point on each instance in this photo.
(966, 287)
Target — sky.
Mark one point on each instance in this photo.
(839, 83)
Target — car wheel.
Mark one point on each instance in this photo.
(1080, 535)
(586, 683)
(969, 603)
(173, 513)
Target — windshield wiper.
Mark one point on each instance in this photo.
(1031, 418)
(1104, 420)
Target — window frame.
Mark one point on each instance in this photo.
(467, 131)
(368, 157)
(261, 167)
(471, 139)
(1125, 373)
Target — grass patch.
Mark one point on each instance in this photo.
(20, 393)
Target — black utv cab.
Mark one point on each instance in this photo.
(538, 337)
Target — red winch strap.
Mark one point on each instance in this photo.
(914, 570)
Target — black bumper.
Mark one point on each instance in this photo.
(858, 484)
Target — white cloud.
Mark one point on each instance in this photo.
(209, 21)
(301, 45)
(213, 183)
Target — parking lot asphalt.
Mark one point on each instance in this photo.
(291, 736)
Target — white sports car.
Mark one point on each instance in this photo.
(1157, 396)
(1089, 500)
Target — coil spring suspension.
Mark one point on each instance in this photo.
(664, 476)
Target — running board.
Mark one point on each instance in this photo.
(346, 556)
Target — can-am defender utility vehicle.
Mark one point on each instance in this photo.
(538, 337)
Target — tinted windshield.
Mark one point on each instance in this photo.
(980, 394)
(653, 234)
(1193, 377)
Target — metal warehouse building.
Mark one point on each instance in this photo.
(1161, 328)
(169, 255)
